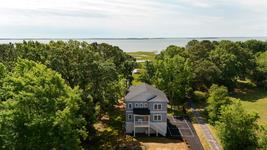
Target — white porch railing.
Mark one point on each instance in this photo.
(141, 123)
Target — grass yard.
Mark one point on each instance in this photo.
(255, 100)
(136, 80)
(142, 56)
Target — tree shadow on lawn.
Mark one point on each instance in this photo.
(251, 95)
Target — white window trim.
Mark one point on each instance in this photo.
(129, 106)
(157, 106)
(129, 117)
(156, 117)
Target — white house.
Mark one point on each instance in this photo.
(146, 110)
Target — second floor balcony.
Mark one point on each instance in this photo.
(141, 123)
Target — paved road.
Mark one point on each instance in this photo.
(204, 126)
(187, 131)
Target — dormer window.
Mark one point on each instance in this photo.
(157, 106)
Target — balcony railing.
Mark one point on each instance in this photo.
(141, 123)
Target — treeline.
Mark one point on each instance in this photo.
(181, 70)
(52, 94)
(206, 70)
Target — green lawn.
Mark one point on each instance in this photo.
(255, 101)
(143, 55)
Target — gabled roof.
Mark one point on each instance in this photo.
(145, 92)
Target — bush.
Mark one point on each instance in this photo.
(199, 96)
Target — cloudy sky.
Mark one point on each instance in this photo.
(132, 18)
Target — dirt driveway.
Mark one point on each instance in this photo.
(161, 143)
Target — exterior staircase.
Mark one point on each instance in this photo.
(159, 128)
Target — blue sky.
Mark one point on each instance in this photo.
(132, 18)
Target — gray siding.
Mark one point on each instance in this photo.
(127, 119)
(162, 112)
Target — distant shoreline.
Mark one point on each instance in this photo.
(130, 38)
(135, 44)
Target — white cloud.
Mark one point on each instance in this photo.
(128, 18)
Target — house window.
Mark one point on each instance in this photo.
(145, 105)
(157, 106)
(139, 105)
(129, 116)
(130, 106)
(157, 117)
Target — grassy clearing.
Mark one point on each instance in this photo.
(136, 80)
(255, 100)
(141, 56)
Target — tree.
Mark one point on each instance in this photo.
(255, 46)
(260, 74)
(206, 73)
(38, 110)
(237, 128)
(171, 51)
(234, 61)
(2, 71)
(198, 51)
(224, 58)
(149, 72)
(218, 97)
(8, 55)
(262, 138)
(174, 76)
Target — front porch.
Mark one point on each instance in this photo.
(141, 119)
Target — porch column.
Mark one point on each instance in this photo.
(149, 125)
(134, 123)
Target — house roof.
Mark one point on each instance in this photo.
(145, 92)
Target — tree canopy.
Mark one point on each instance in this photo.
(238, 128)
(38, 110)
(218, 97)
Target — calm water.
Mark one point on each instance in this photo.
(130, 45)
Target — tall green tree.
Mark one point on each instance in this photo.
(149, 72)
(224, 58)
(218, 97)
(174, 76)
(38, 110)
(238, 128)
(260, 74)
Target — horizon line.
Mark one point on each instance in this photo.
(126, 38)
